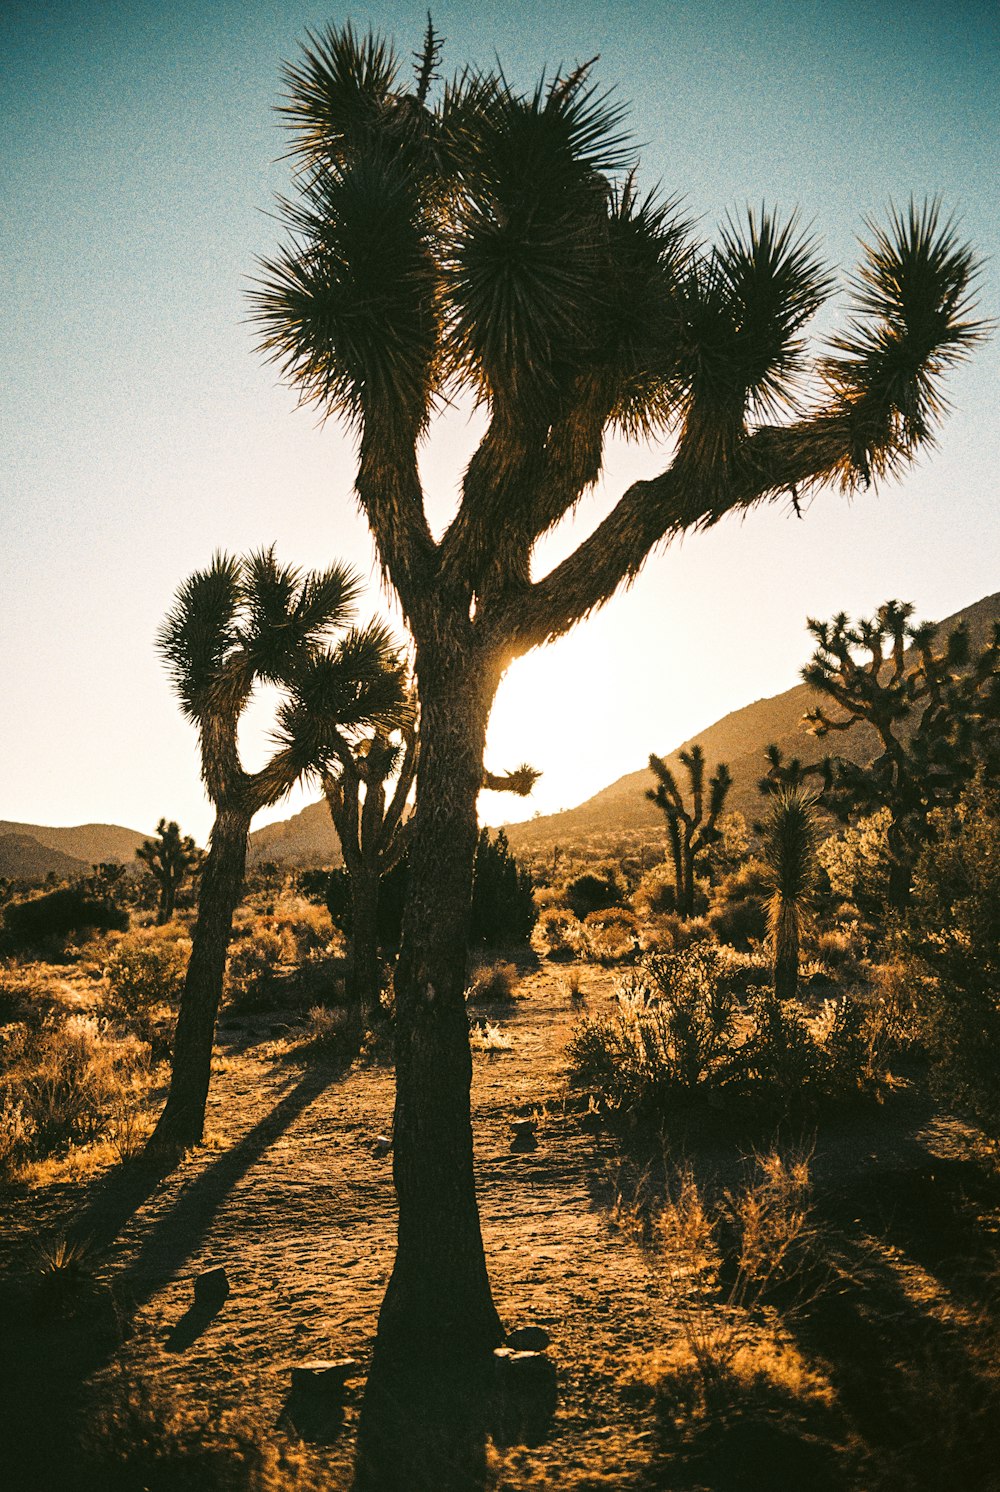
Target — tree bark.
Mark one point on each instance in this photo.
(364, 975)
(438, 1323)
(786, 953)
(182, 1122)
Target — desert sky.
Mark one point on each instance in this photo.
(140, 431)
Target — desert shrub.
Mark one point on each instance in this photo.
(24, 993)
(58, 915)
(592, 892)
(671, 931)
(70, 1078)
(857, 861)
(143, 973)
(303, 925)
(656, 892)
(326, 1029)
(609, 936)
(503, 902)
(253, 960)
(678, 1028)
(951, 940)
(838, 947)
(558, 931)
(495, 982)
(740, 924)
(670, 1033)
(143, 1435)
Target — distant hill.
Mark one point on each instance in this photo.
(738, 739)
(30, 851)
(308, 839)
(24, 859)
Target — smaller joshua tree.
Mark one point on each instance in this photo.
(933, 705)
(170, 858)
(238, 624)
(789, 847)
(691, 830)
(368, 810)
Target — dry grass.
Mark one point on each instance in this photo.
(493, 983)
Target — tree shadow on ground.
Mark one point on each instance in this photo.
(47, 1357)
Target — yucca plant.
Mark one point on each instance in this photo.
(473, 238)
(234, 626)
(789, 851)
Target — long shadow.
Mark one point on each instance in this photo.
(47, 1358)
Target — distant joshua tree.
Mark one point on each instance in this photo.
(241, 623)
(693, 830)
(789, 852)
(170, 858)
(934, 705)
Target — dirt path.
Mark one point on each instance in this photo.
(292, 1196)
(292, 1199)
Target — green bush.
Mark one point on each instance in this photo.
(59, 914)
(593, 891)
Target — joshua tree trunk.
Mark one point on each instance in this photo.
(786, 953)
(364, 975)
(182, 1122)
(167, 893)
(438, 1322)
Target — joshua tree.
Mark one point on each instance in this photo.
(372, 829)
(789, 849)
(691, 831)
(170, 858)
(933, 705)
(477, 240)
(238, 624)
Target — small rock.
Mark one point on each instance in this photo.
(528, 1339)
(523, 1142)
(323, 1375)
(212, 1287)
(524, 1126)
(382, 1145)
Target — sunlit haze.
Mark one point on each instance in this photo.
(141, 431)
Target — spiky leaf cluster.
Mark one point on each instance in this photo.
(251, 621)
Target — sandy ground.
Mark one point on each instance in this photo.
(292, 1199)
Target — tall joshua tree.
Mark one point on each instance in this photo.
(473, 239)
(236, 625)
(691, 830)
(170, 858)
(933, 705)
(789, 848)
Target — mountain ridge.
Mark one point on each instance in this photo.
(308, 838)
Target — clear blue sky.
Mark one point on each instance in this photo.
(139, 431)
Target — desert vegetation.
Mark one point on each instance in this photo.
(732, 1083)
